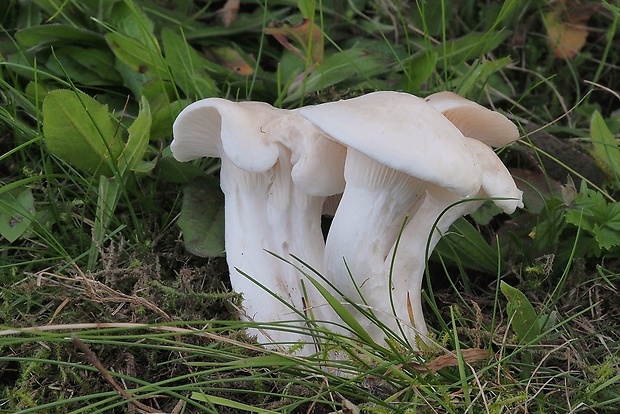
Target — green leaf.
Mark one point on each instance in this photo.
(606, 237)
(247, 23)
(307, 8)
(431, 16)
(419, 69)
(202, 217)
(479, 74)
(592, 213)
(79, 130)
(108, 194)
(86, 66)
(521, 313)
(606, 148)
(140, 57)
(164, 113)
(351, 66)
(471, 46)
(52, 34)
(129, 19)
(138, 140)
(16, 211)
(464, 244)
(187, 66)
(133, 42)
(177, 172)
(551, 224)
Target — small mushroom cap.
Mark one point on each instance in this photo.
(403, 132)
(213, 127)
(474, 120)
(496, 179)
(317, 161)
(319, 170)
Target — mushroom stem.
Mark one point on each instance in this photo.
(364, 229)
(432, 217)
(275, 186)
(429, 221)
(282, 220)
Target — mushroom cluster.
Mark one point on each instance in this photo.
(401, 169)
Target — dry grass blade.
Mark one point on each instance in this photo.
(92, 358)
(450, 360)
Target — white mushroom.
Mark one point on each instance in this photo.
(474, 120)
(431, 217)
(404, 160)
(399, 150)
(274, 184)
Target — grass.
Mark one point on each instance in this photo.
(102, 307)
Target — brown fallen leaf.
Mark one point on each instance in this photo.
(305, 35)
(450, 360)
(228, 12)
(567, 28)
(230, 59)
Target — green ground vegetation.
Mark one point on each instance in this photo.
(103, 308)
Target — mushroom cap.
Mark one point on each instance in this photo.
(251, 135)
(474, 120)
(497, 182)
(402, 132)
(214, 127)
(318, 161)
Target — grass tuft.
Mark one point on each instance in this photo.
(102, 308)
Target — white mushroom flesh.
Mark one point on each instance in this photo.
(265, 211)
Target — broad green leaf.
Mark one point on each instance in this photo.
(464, 244)
(593, 214)
(140, 57)
(471, 46)
(29, 14)
(16, 211)
(244, 23)
(188, 68)
(606, 236)
(110, 189)
(164, 113)
(80, 130)
(606, 147)
(177, 172)
(351, 66)
(521, 313)
(86, 66)
(69, 10)
(418, 70)
(202, 217)
(129, 19)
(137, 51)
(510, 11)
(138, 140)
(52, 34)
